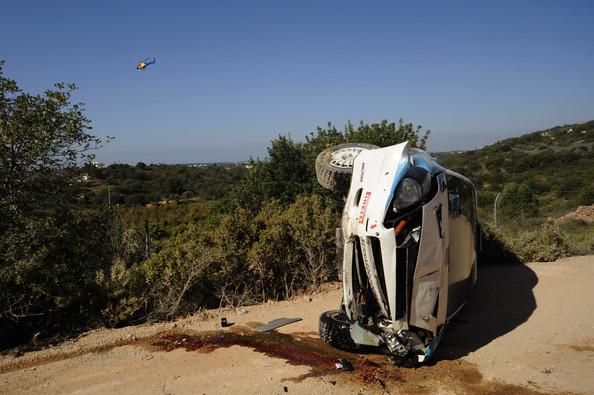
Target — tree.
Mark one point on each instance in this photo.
(289, 169)
(283, 176)
(312, 226)
(49, 248)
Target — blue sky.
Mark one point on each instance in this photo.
(230, 76)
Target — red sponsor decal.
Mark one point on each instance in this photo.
(364, 207)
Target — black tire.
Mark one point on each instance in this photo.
(336, 175)
(335, 330)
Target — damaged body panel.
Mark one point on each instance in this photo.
(409, 251)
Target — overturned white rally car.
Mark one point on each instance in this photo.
(409, 243)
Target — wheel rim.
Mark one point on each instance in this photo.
(339, 316)
(344, 157)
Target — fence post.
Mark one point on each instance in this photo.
(495, 209)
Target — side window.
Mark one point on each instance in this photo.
(467, 201)
(461, 198)
(454, 197)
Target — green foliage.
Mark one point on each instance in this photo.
(295, 247)
(540, 175)
(179, 277)
(271, 256)
(382, 134)
(49, 247)
(516, 202)
(289, 169)
(543, 245)
(283, 176)
(175, 280)
(312, 224)
(558, 161)
(143, 184)
(518, 192)
(245, 259)
(579, 236)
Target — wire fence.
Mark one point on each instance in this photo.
(573, 217)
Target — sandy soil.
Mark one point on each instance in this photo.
(528, 329)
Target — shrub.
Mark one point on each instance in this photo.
(542, 245)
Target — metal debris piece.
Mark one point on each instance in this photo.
(344, 365)
(276, 324)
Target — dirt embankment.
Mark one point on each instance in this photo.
(582, 213)
(528, 329)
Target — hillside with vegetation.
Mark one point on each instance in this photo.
(154, 183)
(557, 161)
(535, 192)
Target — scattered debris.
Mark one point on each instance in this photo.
(344, 365)
(547, 371)
(276, 324)
(382, 383)
(409, 361)
(225, 323)
(367, 362)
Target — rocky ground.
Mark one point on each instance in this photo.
(528, 329)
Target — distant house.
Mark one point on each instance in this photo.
(97, 164)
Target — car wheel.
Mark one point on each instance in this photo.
(334, 165)
(335, 330)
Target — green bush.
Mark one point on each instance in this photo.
(544, 244)
(50, 248)
(295, 248)
(579, 236)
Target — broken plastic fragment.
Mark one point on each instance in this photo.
(276, 324)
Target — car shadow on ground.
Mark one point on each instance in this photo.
(502, 300)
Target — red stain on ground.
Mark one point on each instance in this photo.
(373, 370)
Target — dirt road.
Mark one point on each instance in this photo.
(529, 329)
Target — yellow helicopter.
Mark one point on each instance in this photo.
(143, 64)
